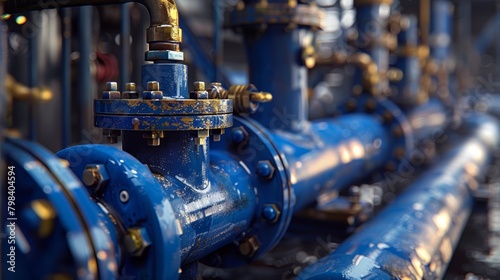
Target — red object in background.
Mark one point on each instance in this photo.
(107, 67)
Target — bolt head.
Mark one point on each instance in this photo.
(199, 86)
(111, 86)
(239, 135)
(265, 169)
(130, 87)
(271, 213)
(136, 241)
(153, 86)
(249, 246)
(95, 176)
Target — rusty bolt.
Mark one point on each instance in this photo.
(136, 241)
(95, 176)
(111, 91)
(130, 91)
(153, 86)
(199, 86)
(152, 91)
(249, 246)
(239, 135)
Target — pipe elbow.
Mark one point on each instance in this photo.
(164, 26)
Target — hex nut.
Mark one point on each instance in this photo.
(95, 176)
(249, 246)
(265, 169)
(136, 241)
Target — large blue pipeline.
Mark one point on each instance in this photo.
(430, 216)
(214, 175)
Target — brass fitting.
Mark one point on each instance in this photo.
(164, 16)
(247, 98)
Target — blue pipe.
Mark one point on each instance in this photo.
(217, 196)
(441, 30)
(408, 88)
(371, 22)
(66, 76)
(332, 155)
(286, 79)
(429, 120)
(32, 78)
(85, 80)
(426, 220)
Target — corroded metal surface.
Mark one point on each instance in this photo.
(164, 107)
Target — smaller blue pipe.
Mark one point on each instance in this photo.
(332, 154)
(33, 79)
(429, 120)
(66, 76)
(408, 88)
(286, 79)
(171, 76)
(441, 30)
(371, 22)
(85, 81)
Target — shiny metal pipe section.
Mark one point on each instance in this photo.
(489, 103)
(414, 238)
(332, 155)
(164, 16)
(428, 120)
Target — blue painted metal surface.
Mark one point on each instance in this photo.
(441, 30)
(288, 82)
(147, 207)
(171, 76)
(398, 128)
(408, 61)
(426, 221)
(371, 21)
(71, 226)
(65, 15)
(85, 80)
(429, 120)
(33, 77)
(166, 114)
(331, 155)
(282, 44)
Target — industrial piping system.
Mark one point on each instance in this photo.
(214, 175)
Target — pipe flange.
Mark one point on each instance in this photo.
(136, 198)
(163, 115)
(303, 15)
(255, 150)
(395, 122)
(52, 209)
